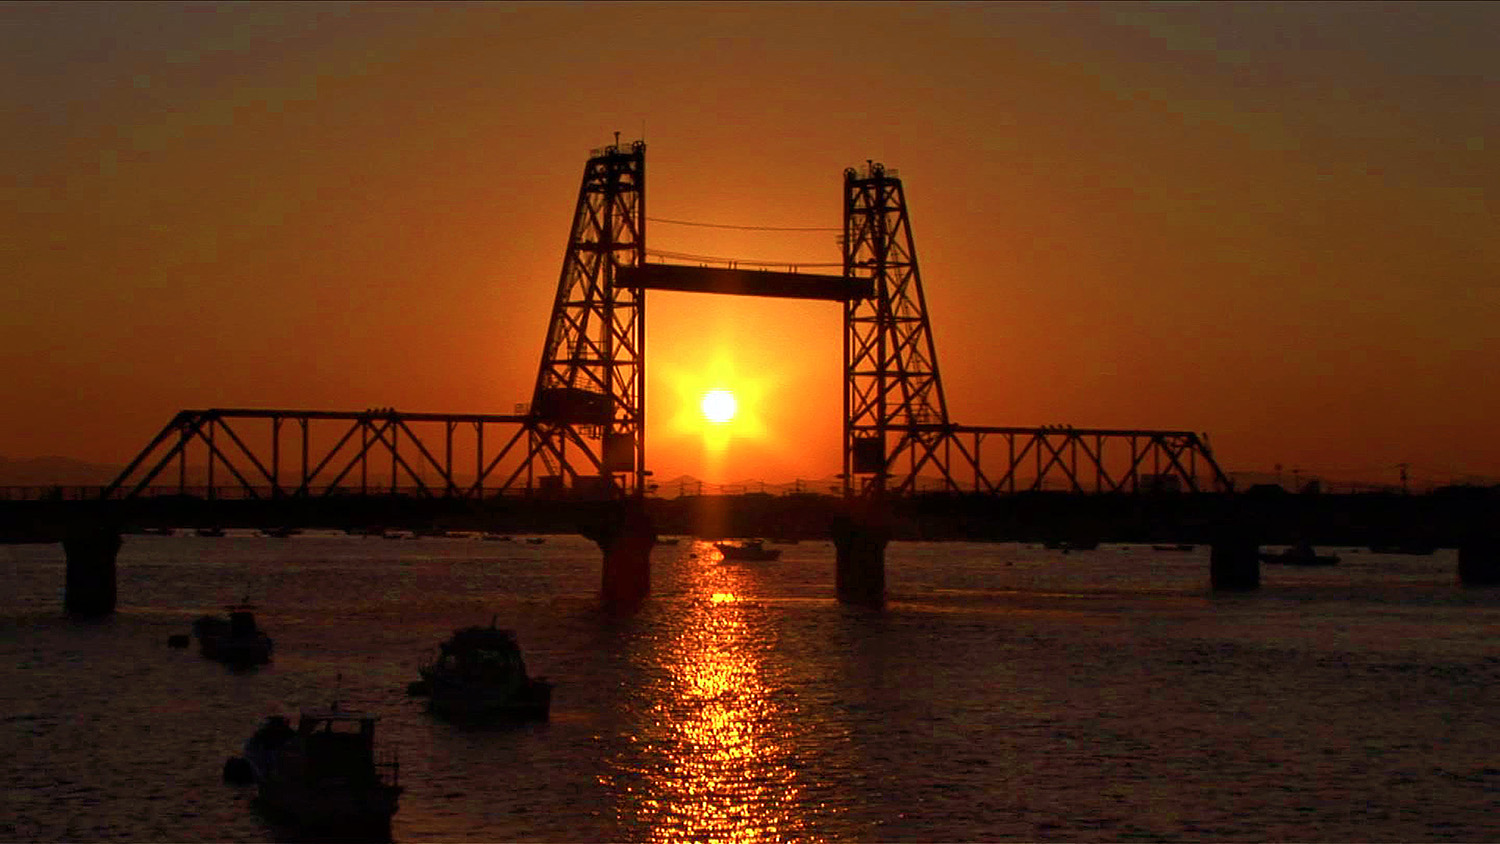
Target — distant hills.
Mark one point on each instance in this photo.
(55, 471)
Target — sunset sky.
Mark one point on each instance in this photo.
(1273, 223)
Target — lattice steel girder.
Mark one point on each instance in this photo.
(254, 460)
(590, 388)
(1036, 458)
(891, 381)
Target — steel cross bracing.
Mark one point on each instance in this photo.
(897, 435)
(895, 415)
(1081, 460)
(240, 454)
(590, 389)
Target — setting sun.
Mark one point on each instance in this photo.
(718, 406)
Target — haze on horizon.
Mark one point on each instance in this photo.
(1271, 222)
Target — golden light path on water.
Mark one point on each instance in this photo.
(714, 757)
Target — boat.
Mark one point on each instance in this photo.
(236, 639)
(535, 540)
(325, 775)
(210, 531)
(479, 674)
(1181, 546)
(1066, 545)
(279, 532)
(750, 549)
(1300, 555)
(496, 537)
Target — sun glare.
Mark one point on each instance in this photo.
(718, 406)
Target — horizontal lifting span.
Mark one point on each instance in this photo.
(782, 285)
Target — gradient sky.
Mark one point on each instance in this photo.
(1273, 223)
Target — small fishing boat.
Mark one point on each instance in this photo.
(1066, 545)
(235, 639)
(479, 674)
(325, 775)
(210, 531)
(1181, 546)
(750, 549)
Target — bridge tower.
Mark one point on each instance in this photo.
(895, 415)
(586, 421)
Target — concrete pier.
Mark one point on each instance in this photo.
(1234, 564)
(860, 535)
(1479, 561)
(90, 549)
(626, 535)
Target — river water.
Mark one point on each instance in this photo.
(1004, 692)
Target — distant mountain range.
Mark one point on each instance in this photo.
(55, 471)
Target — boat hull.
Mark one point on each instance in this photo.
(333, 807)
(217, 641)
(747, 553)
(458, 700)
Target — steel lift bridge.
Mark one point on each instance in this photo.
(583, 434)
(582, 437)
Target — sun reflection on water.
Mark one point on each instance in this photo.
(715, 761)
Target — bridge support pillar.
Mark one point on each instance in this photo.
(626, 535)
(1234, 564)
(1479, 561)
(90, 549)
(859, 539)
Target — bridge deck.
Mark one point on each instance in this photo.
(738, 282)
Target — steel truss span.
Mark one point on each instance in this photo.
(1079, 460)
(306, 453)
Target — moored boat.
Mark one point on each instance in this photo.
(479, 674)
(326, 774)
(750, 549)
(235, 639)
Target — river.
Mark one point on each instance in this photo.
(1005, 692)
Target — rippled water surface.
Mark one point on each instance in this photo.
(1005, 692)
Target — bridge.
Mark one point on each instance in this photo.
(578, 448)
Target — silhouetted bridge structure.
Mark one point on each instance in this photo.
(576, 453)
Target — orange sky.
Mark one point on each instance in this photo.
(1273, 223)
